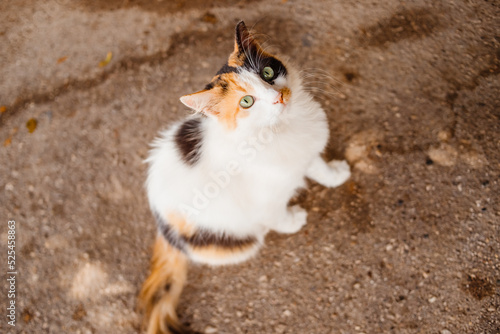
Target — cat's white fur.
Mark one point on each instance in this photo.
(245, 177)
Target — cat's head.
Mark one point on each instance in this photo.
(253, 88)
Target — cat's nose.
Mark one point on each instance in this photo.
(279, 98)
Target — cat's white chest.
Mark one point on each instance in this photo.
(268, 174)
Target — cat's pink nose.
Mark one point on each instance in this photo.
(279, 98)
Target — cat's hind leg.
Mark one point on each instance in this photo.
(331, 174)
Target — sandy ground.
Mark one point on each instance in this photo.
(410, 244)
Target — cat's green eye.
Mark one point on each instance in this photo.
(268, 73)
(246, 101)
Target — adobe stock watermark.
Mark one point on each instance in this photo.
(247, 151)
(11, 273)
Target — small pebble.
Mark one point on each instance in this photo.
(280, 329)
(444, 155)
(432, 299)
(210, 330)
(444, 135)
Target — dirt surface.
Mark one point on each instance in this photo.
(410, 244)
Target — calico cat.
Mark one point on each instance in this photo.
(221, 179)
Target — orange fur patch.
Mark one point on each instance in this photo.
(228, 100)
(161, 291)
(180, 225)
(236, 58)
(286, 93)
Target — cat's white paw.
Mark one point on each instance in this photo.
(297, 217)
(340, 172)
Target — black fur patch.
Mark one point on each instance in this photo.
(254, 60)
(224, 85)
(188, 139)
(227, 69)
(217, 80)
(275, 64)
(200, 238)
(210, 85)
(258, 63)
(205, 238)
(166, 231)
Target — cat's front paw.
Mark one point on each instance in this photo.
(340, 172)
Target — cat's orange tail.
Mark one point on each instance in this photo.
(161, 291)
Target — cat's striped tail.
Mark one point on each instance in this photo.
(161, 291)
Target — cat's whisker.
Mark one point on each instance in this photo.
(262, 37)
(322, 85)
(320, 80)
(313, 80)
(246, 51)
(266, 46)
(317, 72)
(323, 74)
(324, 92)
(319, 92)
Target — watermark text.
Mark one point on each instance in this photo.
(11, 273)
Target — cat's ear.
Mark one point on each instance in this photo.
(245, 42)
(200, 101)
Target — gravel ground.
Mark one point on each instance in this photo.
(410, 244)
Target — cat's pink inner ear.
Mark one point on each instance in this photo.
(200, 101)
